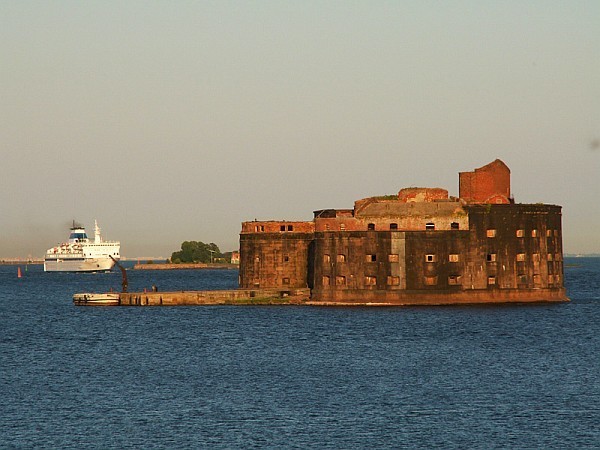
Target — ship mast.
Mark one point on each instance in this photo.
(97, 237)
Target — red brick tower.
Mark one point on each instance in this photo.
(488, 184)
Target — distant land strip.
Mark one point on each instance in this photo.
(17, 261)
(185, 266)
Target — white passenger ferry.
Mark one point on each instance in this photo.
(81, 254)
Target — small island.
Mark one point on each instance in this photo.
(195, 255)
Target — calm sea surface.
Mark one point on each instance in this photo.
(293, 377)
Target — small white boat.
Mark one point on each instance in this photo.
(92, 299)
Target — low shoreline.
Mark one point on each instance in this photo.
(184, 266)
(21, 262)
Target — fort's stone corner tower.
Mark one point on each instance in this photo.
(275, 254)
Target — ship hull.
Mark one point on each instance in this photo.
(103, 264)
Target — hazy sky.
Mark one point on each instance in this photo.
(177, 120)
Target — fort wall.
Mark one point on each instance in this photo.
(421, 247)
(275, 259)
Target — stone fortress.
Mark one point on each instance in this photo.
(419, 247)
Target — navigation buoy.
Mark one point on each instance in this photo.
(19, 274)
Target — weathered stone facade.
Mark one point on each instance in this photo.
(275, 254)
(421, 247)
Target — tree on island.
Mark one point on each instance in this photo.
(196, 252)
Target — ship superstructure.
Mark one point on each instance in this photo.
(80, 254)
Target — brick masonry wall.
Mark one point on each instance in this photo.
(422, 194)
(488, 184)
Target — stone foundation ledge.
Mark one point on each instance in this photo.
(303, 297)
(223, 297)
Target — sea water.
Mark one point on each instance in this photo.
(516, 376)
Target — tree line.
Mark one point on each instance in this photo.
(197, 252)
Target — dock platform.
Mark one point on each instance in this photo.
(218, 297)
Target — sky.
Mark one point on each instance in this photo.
(170, 121)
